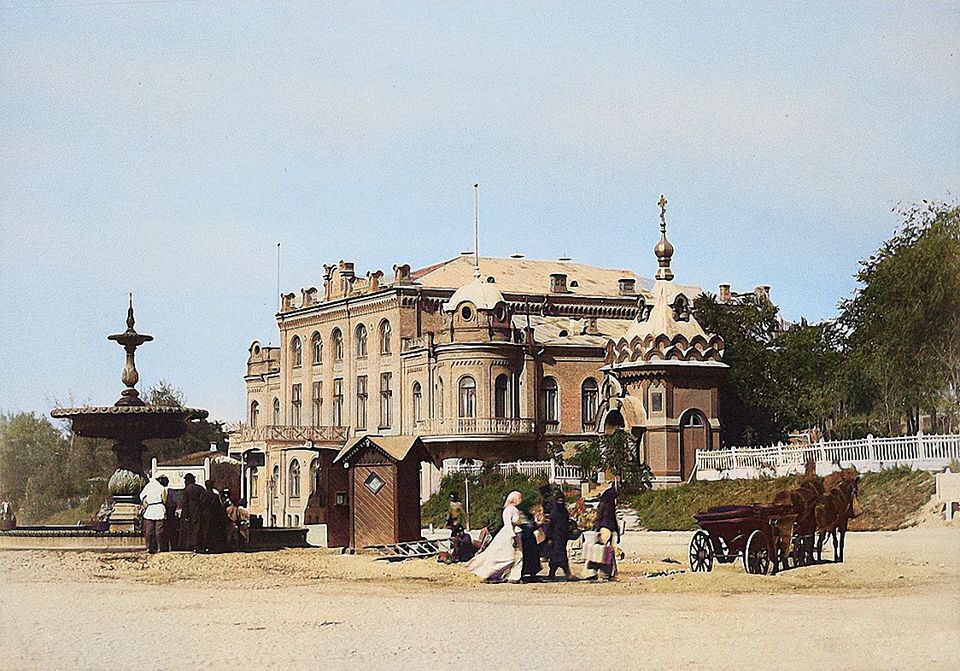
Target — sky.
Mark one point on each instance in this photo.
(164, 148)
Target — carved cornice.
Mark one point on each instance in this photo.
(663, 348)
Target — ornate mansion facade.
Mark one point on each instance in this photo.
(488, 358)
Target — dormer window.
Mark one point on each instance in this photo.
(681, 308)
(627, 285)
(466, 313)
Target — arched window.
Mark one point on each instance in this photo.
(693, 420)
(385, 335)
(276, 412)
(468, 396)
(589, 397)
(317, 343)
(361, 340)
(438, 399)
(337, 337)
(417, 402)
(254, 414)
(296, 349)
(501, 395)
(315, 474)
(294, 487)
(275, 481)
(551, 400)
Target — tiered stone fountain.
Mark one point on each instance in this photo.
(129, 422)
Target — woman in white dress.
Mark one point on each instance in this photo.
(496, 562)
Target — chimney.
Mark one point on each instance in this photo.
(558, 283)
(590, 328)
(724, 295)
(762, 292)
(628, 286)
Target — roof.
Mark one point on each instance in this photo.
(396, 447)
(570, 330)
(662, 320)
(528, 276)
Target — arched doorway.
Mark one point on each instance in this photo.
(694, 435)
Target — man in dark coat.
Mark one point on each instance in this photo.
(529, 548)
(558, 531)
(214, 520)
(191, 515)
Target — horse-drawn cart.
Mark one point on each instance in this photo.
(759, 534)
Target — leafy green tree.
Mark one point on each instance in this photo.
(43, 469)
(750, 412)
(615, 452)
(902, 325)
(199, 436)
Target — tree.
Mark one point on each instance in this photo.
(43, 469)
(616, 453)
(199, 436)
(164, 393)
(902, 325)
(749, 325)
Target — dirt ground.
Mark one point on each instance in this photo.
(894, 603)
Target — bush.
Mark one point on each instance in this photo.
(488, 491)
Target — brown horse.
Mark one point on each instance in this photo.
(802, 501)
(835, 508)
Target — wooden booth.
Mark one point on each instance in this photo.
(384, 488)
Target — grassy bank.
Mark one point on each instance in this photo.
(889, 499)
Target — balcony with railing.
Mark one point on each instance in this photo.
(474, 426)
(293, 434)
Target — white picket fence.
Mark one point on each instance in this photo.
(919, 452)
(534, 469)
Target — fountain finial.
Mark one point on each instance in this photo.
(130, 340)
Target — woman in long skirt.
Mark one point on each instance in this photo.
(497, 560)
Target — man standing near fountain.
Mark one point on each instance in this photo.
(153, 499)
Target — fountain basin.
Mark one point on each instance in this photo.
(130, 422)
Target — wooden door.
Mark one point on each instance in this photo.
(693, 437)
(374, 505)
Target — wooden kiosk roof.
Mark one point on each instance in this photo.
(396, 448)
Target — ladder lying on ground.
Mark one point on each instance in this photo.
(409, 550)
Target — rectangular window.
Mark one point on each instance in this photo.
(656, 401)
(338, 402)
(386, 401)
(296, 403)
(317, 403)
(361, 422)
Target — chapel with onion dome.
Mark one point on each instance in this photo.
(662, 376)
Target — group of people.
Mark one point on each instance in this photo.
(528, 537)
(201, 519)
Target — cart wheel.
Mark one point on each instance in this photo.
(701, 552)
(756, 556)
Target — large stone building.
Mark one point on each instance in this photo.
(489, 358)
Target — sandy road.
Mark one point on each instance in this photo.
(895, 603)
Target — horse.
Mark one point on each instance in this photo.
(802, 501)
(836, 507)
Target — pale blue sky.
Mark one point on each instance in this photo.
(165, 148)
